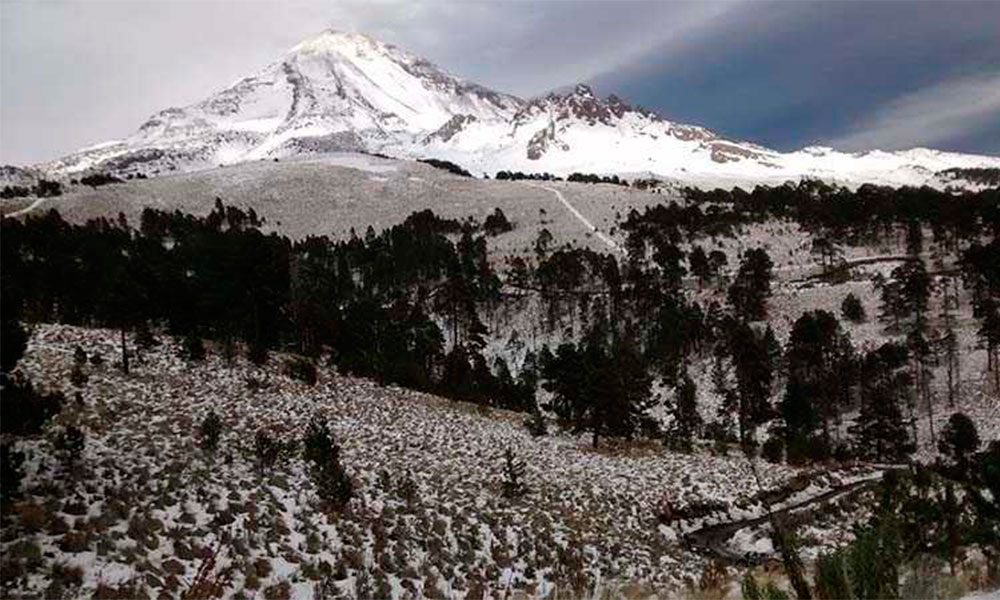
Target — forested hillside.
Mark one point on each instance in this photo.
(806, 325)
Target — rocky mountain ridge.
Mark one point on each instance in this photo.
(347, 92)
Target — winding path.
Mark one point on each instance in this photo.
(579, 217)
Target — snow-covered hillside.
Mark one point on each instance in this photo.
(344, 91)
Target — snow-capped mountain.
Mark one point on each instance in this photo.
(343, 91)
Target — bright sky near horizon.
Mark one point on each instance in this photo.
(891, 74)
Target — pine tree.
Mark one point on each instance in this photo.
(989, 334)
(923, 356)
(827, 250)
(752, 287)
(698, 264)
(949, 339)
(852, 309)
(753, 360)
(687, 421)
(322, 453)
(880, 429)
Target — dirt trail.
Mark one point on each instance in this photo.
(26, 209)
(579, 216)
(711, 540)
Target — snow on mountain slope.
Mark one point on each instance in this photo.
(334, 91)
(579, 132)
(341, 91)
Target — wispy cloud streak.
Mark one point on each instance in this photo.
(936, 114)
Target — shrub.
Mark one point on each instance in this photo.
(752, 591)
(11, 472)
(13, 343)
(24, 410)
(74, 541)
(69, 443)
(209, 432)
(192, 348)
(98, 179)
(258, 354)
(127, 590)
(46, 188)
(831, 577)
(773, 450)
(67, 575)
(536, 424)
(144, 338)
(408, 490)
(301, 369)
(207, 582)
(958, 442)
(77, 376)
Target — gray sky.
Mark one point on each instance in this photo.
(894, 74)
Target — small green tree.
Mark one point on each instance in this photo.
(268, 450)
(209, 432)
(318, 442)
(852, 309)
(79, 356)
(333, 484)
(320, 450)
(513, 475)
(873, 562)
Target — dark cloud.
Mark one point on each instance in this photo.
(792, 74)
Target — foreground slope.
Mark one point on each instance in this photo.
(144, 505)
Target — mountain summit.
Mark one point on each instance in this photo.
(340, 91)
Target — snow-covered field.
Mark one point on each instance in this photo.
(145, 505)
(333, 193)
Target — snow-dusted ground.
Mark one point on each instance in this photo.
(145, 502)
